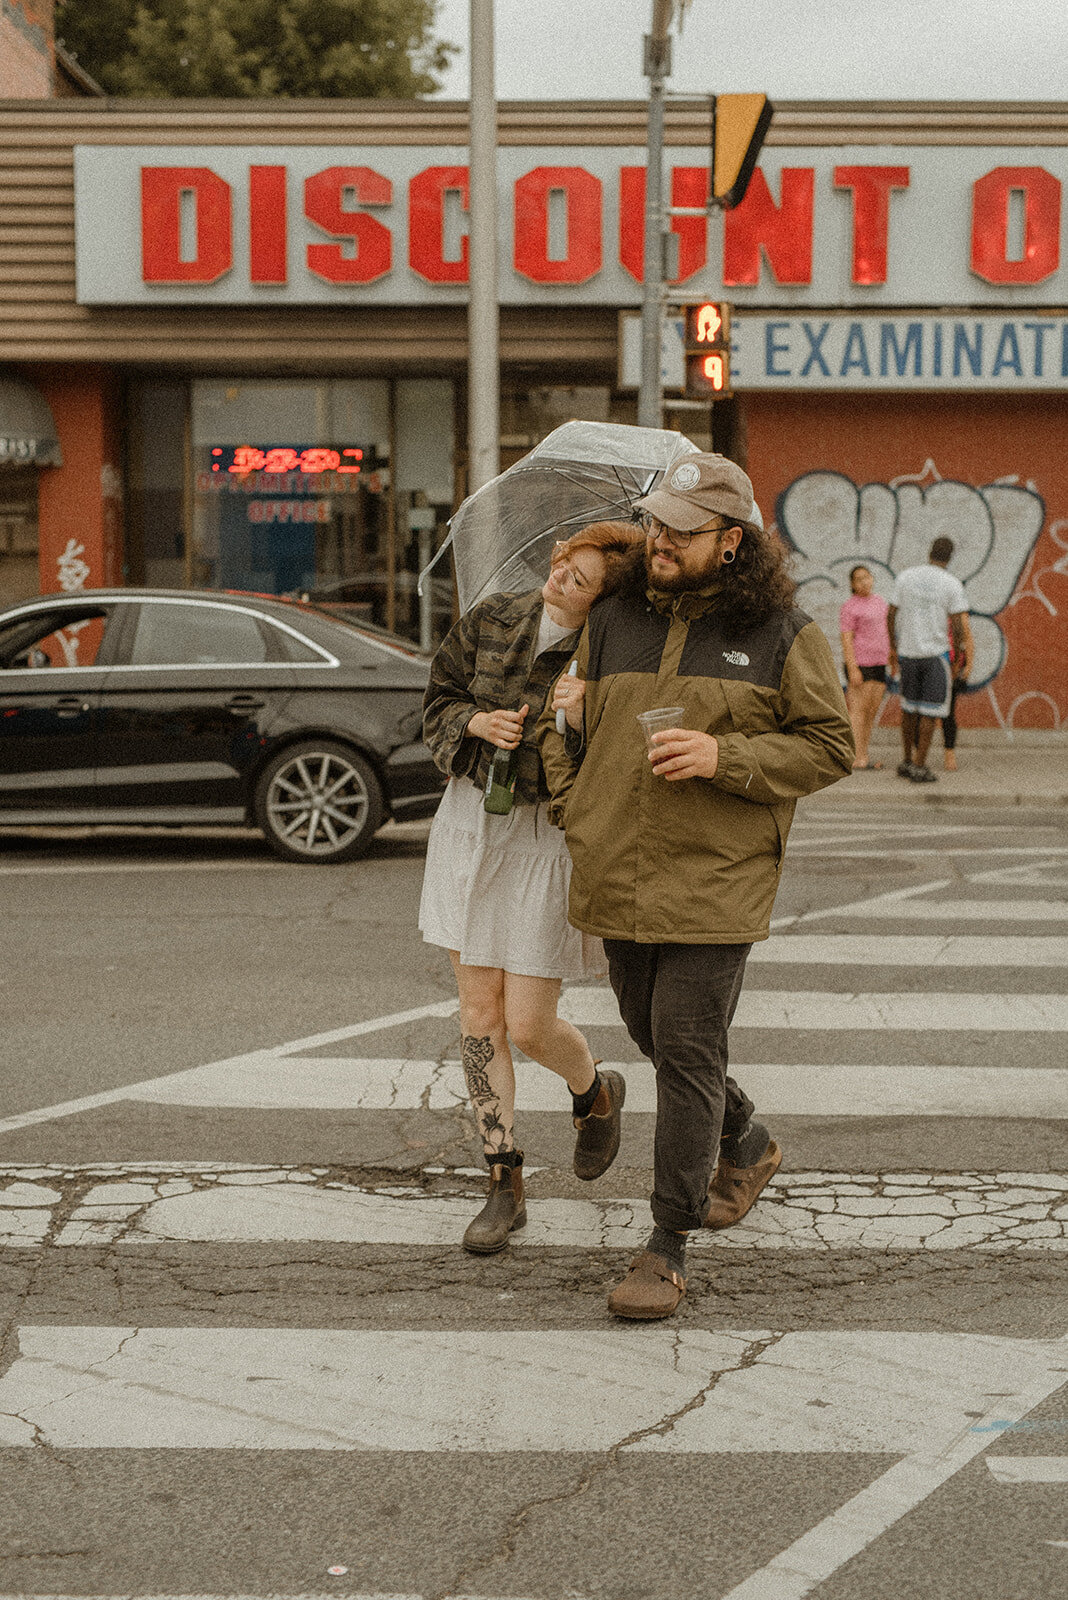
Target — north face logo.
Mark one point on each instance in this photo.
(737, 658)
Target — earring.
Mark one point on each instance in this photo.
(727, 557)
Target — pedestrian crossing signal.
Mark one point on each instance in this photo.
(707, 343)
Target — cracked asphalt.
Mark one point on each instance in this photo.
(127, 1216)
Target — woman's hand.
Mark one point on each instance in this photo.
(501, 728)
(683, 753)
(569, 696)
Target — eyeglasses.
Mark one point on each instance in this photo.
(676, 536)
(561, 558)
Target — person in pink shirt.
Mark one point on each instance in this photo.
(865, 652)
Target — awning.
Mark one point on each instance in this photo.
(27, 431)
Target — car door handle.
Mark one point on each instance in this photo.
(244, 702)
(71, 705)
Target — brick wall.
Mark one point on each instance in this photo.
(27, 50)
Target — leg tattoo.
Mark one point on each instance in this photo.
(477, 1055)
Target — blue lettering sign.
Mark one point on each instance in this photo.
(938, 349)
(773, 348)
(1039, 329)
(815, 342)
(1008, 352)
(856, 352)
(889, 346)
(973, 353)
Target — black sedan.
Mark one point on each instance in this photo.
(156, 706)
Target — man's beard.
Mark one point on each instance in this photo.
(677, 581)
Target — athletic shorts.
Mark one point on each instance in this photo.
(926, 685)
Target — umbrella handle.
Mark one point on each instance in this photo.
(561, 715)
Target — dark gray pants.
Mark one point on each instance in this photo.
(677, 1001)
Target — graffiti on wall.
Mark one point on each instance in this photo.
(833, 524)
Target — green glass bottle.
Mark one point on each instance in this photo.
(499, 794)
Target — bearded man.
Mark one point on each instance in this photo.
(677, 851)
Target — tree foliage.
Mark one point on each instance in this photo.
(256, 48)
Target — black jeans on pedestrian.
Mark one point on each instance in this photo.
(677, 1001)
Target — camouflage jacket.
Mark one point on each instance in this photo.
(486, 662)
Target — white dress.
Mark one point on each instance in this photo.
(495, 887)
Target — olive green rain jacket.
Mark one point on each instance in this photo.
(695, 861)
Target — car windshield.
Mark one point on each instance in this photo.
(369, 632)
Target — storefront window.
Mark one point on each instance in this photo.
(291, 487)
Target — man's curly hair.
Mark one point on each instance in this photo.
(757, 583)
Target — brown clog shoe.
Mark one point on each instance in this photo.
(504, 1211)
(651, 1289)
(734, 1189)
(597, 1144)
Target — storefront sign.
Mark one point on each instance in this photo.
(854, 226)
(869, 353)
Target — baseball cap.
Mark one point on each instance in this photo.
(700, 486)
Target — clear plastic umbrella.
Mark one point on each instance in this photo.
(502, 535)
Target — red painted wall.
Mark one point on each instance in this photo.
(80, 516)
(913, 444)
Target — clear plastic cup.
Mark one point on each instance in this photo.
(657, 720)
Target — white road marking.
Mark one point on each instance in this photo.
(958, 911)
(340, 1389)
(1029, 1469)
(69, 869)
(773, 1008)
(108, 1097)
(255, 1205)
(806, 1563)
(862, 1090)
(907, 950)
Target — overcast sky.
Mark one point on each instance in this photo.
(789, 49)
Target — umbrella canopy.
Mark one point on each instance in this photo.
(502, 535)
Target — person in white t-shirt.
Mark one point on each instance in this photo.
(928, 607)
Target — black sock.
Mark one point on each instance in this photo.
(503, 1158)
(582, 1104)
(745, 1148)
(672, 1246)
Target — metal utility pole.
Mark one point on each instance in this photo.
(483, 359)
(657, 67)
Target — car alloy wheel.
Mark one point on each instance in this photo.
(319, 802)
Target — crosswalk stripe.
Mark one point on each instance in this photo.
(799, 1211)
(774, 1008)
(1029, 1469)
(982, 911)
(379, 1084)
(908, 950)
(344, 1389)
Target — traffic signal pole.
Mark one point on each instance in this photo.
(483, 337)
(657, 67)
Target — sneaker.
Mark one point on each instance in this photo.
(923, 775)
(905, 769)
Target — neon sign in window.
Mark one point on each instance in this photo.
(242, 459)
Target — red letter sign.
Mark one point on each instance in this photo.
(161, 225)
(871, 188)
(324, 204)
(689, 187)
(426, 224)
(583, 199)
(784, 231)
(267, 224)
(1042, 225)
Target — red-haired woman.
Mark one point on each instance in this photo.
(495, 888)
